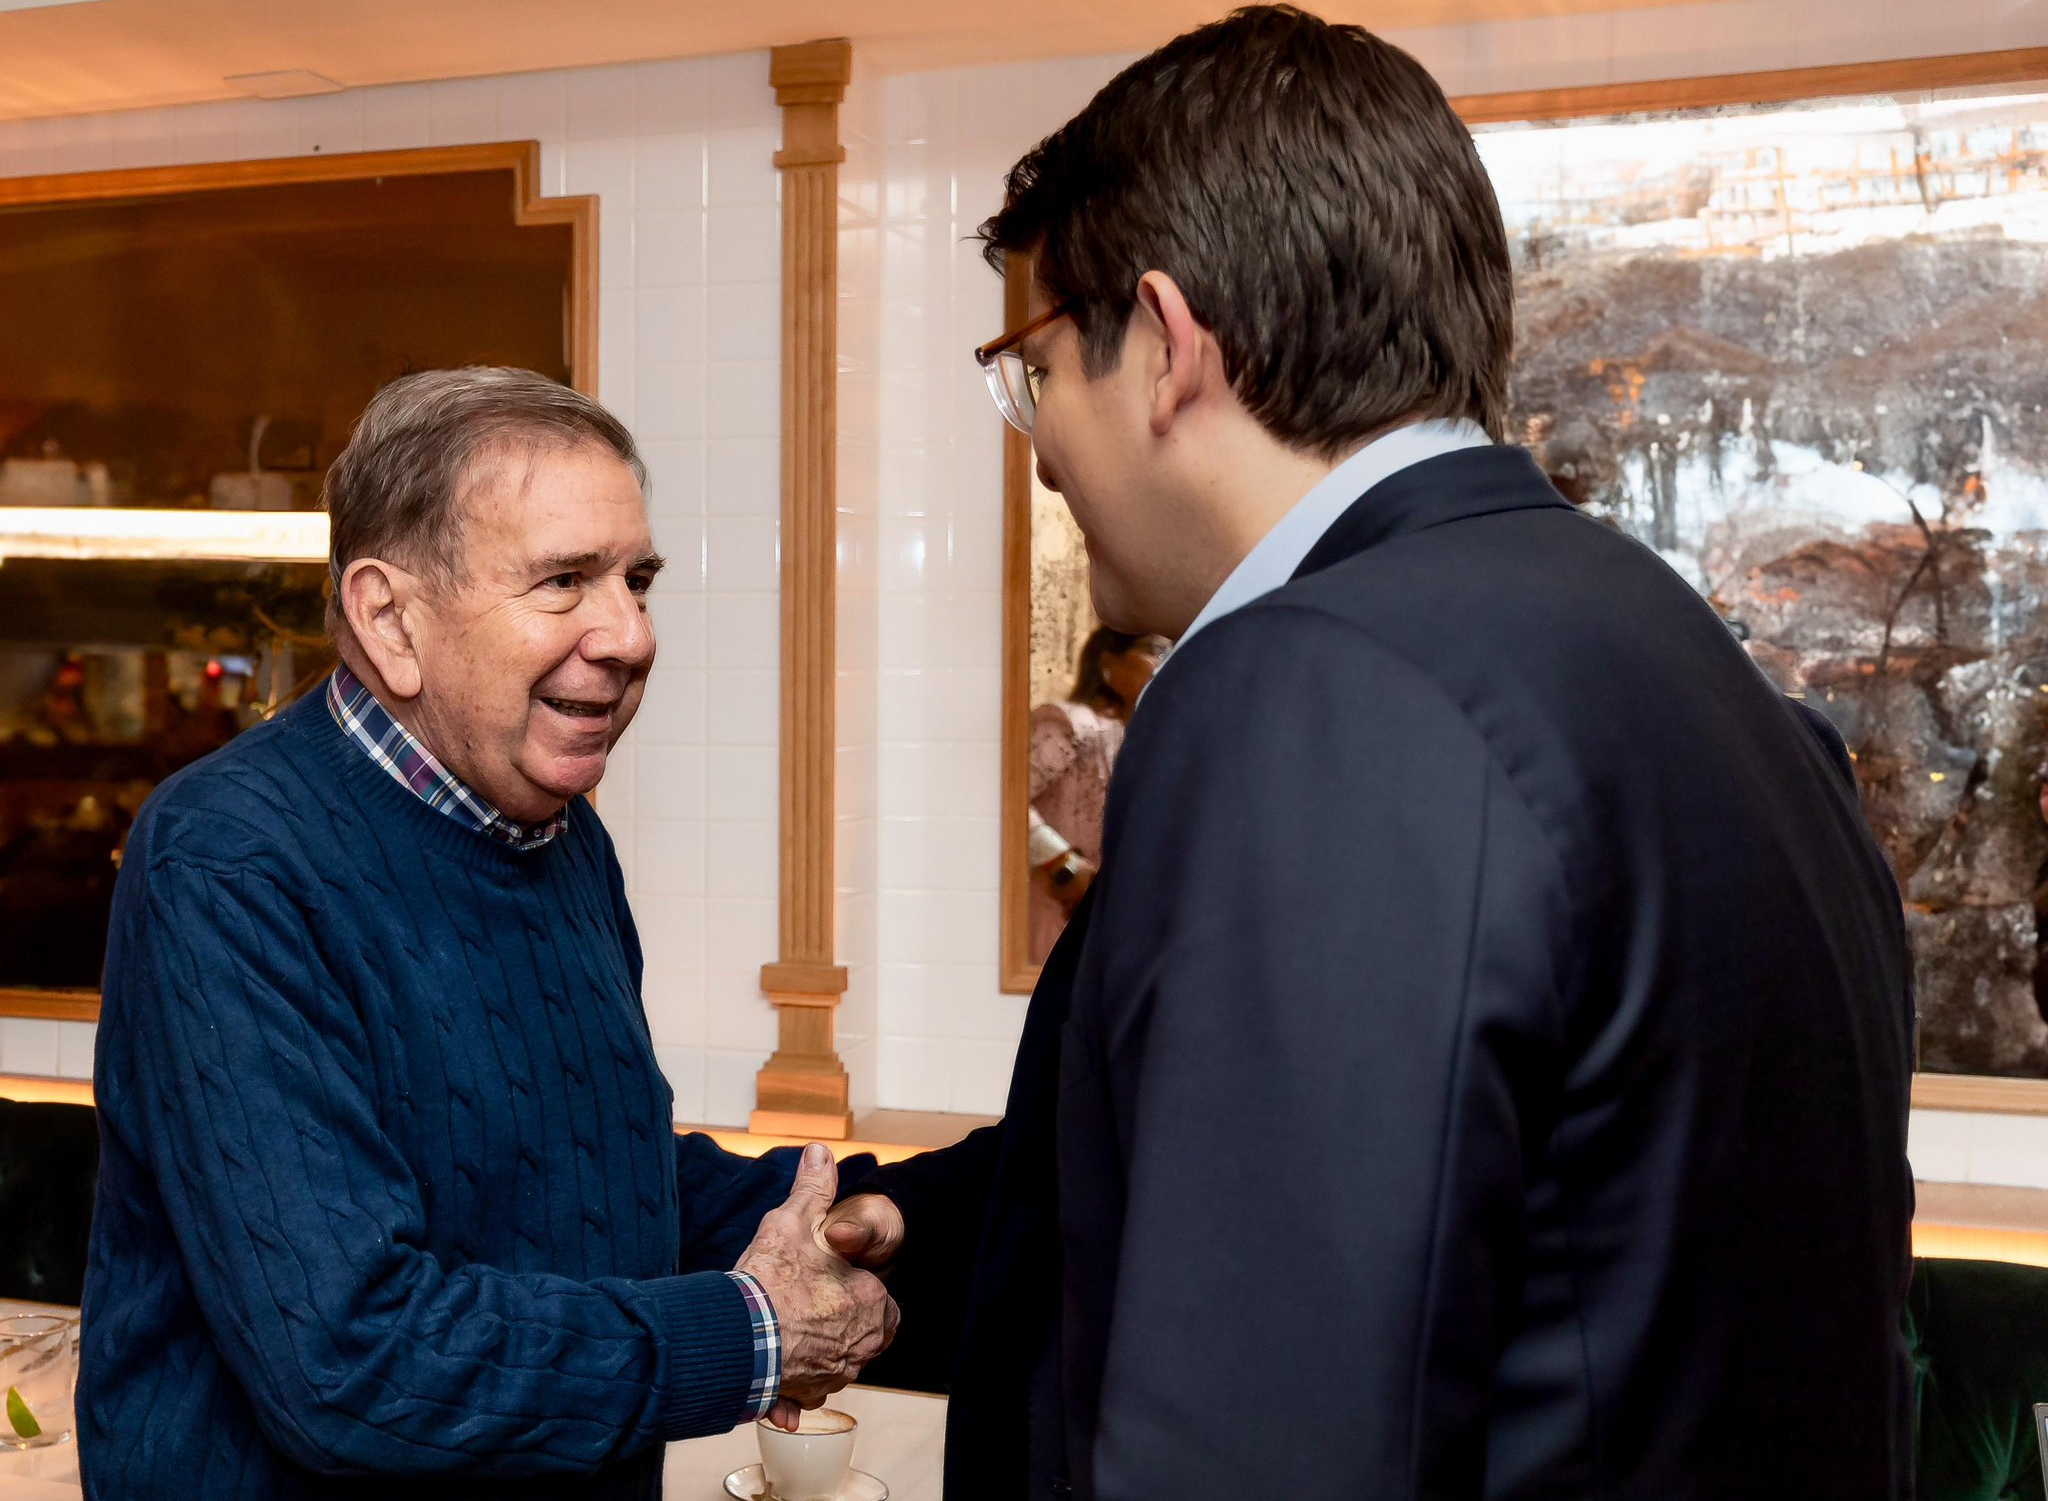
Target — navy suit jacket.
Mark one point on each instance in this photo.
(1480, 1069)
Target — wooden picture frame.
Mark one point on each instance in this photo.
(1018, 971)
(521, 159)
(1914, 77)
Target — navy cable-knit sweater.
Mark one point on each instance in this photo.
(388, 1202)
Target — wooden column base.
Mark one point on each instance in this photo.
(802, 1089)
(800, 1095)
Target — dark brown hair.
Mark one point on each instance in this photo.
(396, 491)
(1091, 684)
(1318, 202)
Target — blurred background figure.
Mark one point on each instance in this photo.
(1073, 748)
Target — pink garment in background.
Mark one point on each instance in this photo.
(1073, 748)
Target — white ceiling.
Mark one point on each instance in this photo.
(74, 56)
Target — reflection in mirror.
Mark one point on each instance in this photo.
(113, 674)
(1061, 617)
(1085, 679)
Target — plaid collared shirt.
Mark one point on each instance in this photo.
(767, 1382)
(387, 742)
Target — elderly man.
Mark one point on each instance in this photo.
(389, 1187)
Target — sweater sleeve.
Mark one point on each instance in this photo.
(302, 1231)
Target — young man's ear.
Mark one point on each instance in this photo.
(1186, 359)
(375, 597)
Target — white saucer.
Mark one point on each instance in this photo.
(750, 1484)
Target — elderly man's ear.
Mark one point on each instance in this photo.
(375, 600)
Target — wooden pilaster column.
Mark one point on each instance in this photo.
(802, 1090)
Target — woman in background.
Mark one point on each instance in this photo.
(1073, 747)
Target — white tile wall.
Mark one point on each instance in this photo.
(698, 151)
(680, 155)
(856, 772)
(75, 1041)
(29, 1046)
(945, 1033)
(1950, 1146)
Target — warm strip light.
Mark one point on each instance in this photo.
(748, 1144)
(1980, 1243)
(79, 1092)
(126, 532)
(29, 1091)
(1970, 1241)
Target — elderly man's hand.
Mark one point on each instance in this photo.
(834, 1318)
(867, 1230)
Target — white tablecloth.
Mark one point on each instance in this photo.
(902, 1436)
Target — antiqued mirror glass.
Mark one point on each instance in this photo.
(1800, 352)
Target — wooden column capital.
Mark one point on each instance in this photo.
(810, 80)
(804, 70)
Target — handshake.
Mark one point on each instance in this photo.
(817, 1265)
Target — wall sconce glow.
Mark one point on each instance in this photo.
(229, 536)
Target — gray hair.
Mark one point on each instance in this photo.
(397, 490)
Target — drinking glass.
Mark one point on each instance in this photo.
(38, 1372)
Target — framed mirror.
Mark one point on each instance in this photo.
(187, 350)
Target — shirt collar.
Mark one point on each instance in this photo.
(1273, 561)
(388, 743)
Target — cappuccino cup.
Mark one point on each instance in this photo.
(811, 1463)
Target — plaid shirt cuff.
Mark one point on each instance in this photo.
(767, 1381)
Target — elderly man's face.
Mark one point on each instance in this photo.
(533, 665)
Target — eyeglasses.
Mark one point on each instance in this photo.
(1012, 382)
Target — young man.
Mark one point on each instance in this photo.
(1481, 1066)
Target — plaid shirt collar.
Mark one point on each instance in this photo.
(387, 742)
